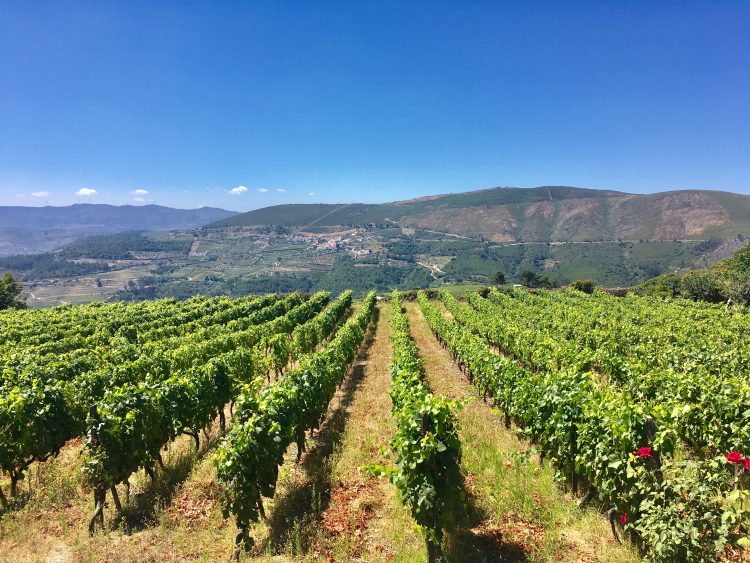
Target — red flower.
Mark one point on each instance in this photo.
(644, 452)
(747, 464)
(735, 457)
(624, 519)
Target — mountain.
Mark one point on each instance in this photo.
(124, 217)
(613, 238)
(38, 229)
(543, 214)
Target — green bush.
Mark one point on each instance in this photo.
(737, 287)
(11, 293)
(703, 285)
(586, 286)
(739, 261)
(667, 285)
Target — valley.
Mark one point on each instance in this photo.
(612, 238)
(239, 260)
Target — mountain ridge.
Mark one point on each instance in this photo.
(63, 216)
(26, 230)
(541, 214)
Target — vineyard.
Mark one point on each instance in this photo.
(551, 425)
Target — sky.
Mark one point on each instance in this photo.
(242, 105)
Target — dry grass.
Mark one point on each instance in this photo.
(364, 519)
(52, 524)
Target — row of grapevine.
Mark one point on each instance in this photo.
(116, 320)
(677, 509)
(426, 445)
(41, 325)
(267, 422)
(43, 408)
(74, 349)
(308, 336)
(707, 410)
(668, 333)
(625, 335)
(133, 422)
(283, 348)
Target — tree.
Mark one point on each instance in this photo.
(738, 287)
(498, 278)
(666, 285)
(703, 285)
(547, 282)
(528, 278)
(11, 292)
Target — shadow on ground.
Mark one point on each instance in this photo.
(141, 511)
(299, 508)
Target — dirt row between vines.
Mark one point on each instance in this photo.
(365, 520)
(517, 510)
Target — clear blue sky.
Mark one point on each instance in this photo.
(368, 101)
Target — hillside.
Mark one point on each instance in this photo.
(543, 214)
(727, 279)
(612, 238)
(38, 229)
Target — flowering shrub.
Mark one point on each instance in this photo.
(735, 457)
(644, 453)
(692, 513)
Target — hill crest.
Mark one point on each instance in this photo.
(541, 214)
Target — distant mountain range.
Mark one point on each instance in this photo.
(37, 229)
(543, 214)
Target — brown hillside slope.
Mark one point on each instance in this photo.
(544, 214)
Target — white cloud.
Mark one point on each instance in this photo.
(282, 190)
(139, 200)
(40, 194)
(139, 191)
(262, 190)
(238, 190)
(311, 193)
(86, 192)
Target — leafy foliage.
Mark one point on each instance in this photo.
(182, 394)
(729, 279)
(267, 421)
(531, 279)
(667, 285)
(426, 445)
(152, 370)
(553, 388)
(585, 286)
